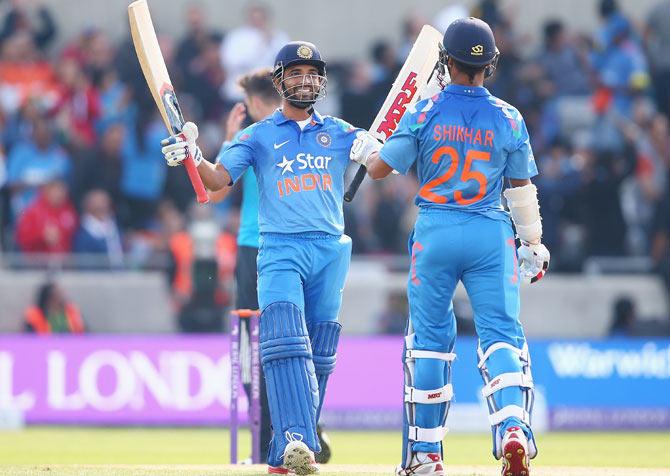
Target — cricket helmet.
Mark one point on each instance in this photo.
(470, 41)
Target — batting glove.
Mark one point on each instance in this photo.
(179, 146)
(364, 145)
(533, 261)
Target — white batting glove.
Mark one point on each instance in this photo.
(533, 261)
(364, 145)
(179, 146)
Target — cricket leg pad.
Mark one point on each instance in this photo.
(428, 394)
(290, 379)
(324, 337)
(508, 391)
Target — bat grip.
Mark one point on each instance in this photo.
(196, 181)
(355, 183)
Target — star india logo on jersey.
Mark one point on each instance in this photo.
(314, 179)
(305, 161)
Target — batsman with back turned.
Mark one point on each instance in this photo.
(465, 143)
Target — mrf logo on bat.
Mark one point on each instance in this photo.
(398, 106)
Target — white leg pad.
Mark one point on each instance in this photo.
(413, 396)
(495, 383)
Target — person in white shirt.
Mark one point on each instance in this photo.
(248, 47)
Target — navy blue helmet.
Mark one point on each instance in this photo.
(300, 53)
(470, 41)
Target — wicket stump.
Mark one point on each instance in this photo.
(253, 325)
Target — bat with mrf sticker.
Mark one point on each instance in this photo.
(414, 75)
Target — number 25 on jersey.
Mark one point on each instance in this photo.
(426, 191)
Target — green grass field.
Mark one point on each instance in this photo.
(141, 451)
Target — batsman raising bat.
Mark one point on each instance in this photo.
(299, 158)
(465, 142)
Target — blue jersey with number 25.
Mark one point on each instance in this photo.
(464, 141)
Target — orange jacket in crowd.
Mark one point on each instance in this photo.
(38, 322)
(181, 247)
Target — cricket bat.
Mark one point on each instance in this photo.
(413, 76)
(158, 80)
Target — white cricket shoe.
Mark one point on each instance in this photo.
(515, 453)
(423, 463)
(299, 458)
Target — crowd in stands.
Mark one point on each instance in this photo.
(81, 169)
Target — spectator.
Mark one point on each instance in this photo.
(195, 39)
(620, 65)
(39, 25)
(658, 52)
(660, 243)
(206, 77)
(624, 318)
(602, 214)
(98, 232)
(198, 57)
(358, 106)
(144, 173)
(49, 223)
(559, 180)
(648, 135)
(53, 313)
(93, 52)
(564, 68)
(385, 66)
(24, 74)
(31, 163)
(248, 47)
(411, 27)
(102, 168)
(489, 11)
(78, 107)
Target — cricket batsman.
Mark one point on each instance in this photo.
(299, 158)
(465, 143)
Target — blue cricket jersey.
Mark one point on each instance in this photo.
(300, 173)
(464, 141)
(248, 234)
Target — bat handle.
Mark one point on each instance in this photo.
(196, 181)
(355, 183)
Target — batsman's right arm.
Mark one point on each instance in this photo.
(214, 176)
(178, 147)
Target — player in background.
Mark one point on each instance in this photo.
(299, 158)
(260, 101)
(465, 143)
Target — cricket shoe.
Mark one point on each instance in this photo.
(299, 459)
(324, 442)
(279, 470)
(515, 453)
(423, 463)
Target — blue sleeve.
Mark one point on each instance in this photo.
(520, 159)
(239, 155)
(349, 131)
(226, 145)
(401, 149)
